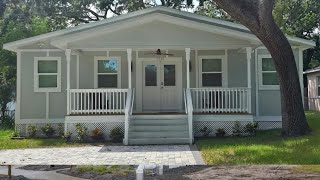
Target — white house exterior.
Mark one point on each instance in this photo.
(107, 74)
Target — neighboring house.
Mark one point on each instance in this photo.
(313, 76)
(159, 74)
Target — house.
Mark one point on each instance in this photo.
(313, 76)
(160, 75)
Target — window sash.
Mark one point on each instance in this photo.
(97, 73)
(211, 72)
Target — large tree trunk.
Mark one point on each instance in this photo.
(256, 15)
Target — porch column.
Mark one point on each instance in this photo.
(129, 55)
(188, 50)
(68, 59)
(249, 50)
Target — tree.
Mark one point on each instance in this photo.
(256, 15)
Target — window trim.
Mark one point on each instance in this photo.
(223, 70)
(36, 74)
(96, 59)
(261, 85)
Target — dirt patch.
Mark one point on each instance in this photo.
(42, 167)
(5, 177)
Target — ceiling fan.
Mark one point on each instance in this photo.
(159, 53)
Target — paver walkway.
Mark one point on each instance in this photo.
(174, 155)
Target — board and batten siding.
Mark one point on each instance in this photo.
(313, 98)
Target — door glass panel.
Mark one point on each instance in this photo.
(150, 75)
(169, 72)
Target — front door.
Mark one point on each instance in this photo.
(162, 85)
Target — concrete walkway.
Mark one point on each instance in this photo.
(43, 175)
(173, 155)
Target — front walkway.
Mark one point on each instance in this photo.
(173, 155)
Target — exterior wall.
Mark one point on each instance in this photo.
(313, 98)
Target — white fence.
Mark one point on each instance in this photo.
(221, 100)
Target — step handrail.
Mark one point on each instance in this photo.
(190, 114)
(128, 113)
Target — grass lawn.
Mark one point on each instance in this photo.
(268, 147)
(7, 143)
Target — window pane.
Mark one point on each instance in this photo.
(318, 80)
(108, 81)
(48, 81)
(169, 75)
(212, 79)
(318, 91)
(267, 64)
(211, 65)
(270, 79)
(107, 66)
(47, 66)
(150, 75)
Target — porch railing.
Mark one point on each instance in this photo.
(97, 101)
(128, 114)
(189, 111)
(221, 100)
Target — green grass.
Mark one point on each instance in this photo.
(268, 147)
(117, 169)
(308, 168)
(7, 143)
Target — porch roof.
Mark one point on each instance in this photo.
(60, 39)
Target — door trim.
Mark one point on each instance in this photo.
(139, 76)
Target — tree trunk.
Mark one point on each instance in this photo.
(256, 15)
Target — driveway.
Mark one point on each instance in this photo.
(172, 155)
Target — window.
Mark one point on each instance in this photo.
(211, 71)
(47, 74)
(268, 75)
(107, 72)
(318, 85)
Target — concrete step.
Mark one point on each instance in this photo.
(154, 141)
(159, 127)
(158, 122)
(159, 134)
(157, 117)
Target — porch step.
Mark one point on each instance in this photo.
(154, 141)
(158, 129)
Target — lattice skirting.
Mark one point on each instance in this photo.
(58, 129)
(212, 126)
(105, 127)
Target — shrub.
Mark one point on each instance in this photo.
(116, 135)
(15, 134)
(48, 130)
(97, 134)
(67, 136)
(220, 132)
(236, 129)
(32, 131)
(81, 132)
(251, 128)
(61, 129)
(205, 131)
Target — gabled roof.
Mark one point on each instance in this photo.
(313, 70)
(240, 30)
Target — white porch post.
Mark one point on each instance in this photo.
(188, 50)
(129, 55)
(249, 50)
(68, 59)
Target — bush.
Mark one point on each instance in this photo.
(61, 129)
(205, 131)
(67, 136)
(32, 131)
(48, 130)
(251, 128)
(220, 132)
(116, 135)
(15, 134)
(97, 134)
(236, 129)
(81, 132)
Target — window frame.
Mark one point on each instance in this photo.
(223, 70)
(37, 74)
(261, 85)
(318, 85)
(96, 73)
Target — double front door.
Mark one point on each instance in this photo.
(162, 85)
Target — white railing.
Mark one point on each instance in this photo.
(189, 111)
(221, 100)
(97, 101)
(128, 113)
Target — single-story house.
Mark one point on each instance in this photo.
(313, 76)
(160, 75)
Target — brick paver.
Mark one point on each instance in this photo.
(101, 155)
